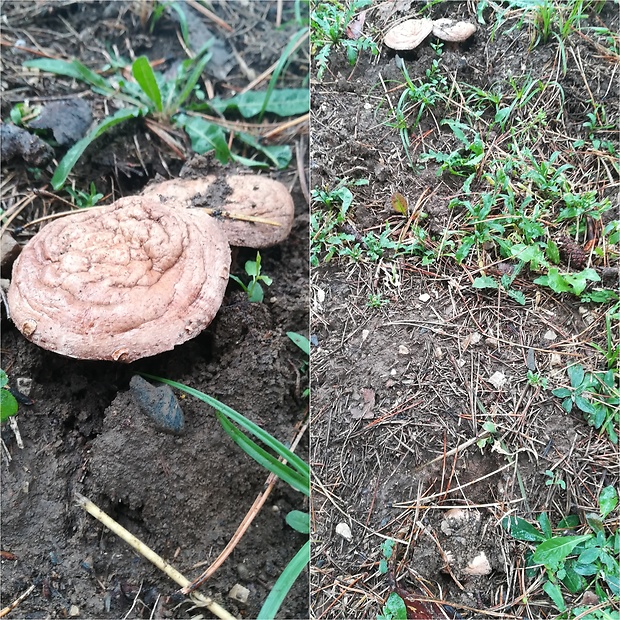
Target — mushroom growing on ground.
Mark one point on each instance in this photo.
(262, 208)
(408, 34)
(132, 279)
(452, 31)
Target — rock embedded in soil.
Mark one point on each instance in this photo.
(68, 119)
(159, 403)
(17, 142)
(9, 251)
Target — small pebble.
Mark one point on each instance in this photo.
(342, 529)
(497, 380)
(74, 611)
(403, 350)
(239, 593)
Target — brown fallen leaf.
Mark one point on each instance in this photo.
(399, 203)
(356, 26)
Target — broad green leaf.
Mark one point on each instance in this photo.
(584, 404)
(553, 252)
(521, 530)
(283, 584)
(205, 136)
(608, 500)
(284, 102)
(561, 392)
(555, 594)
(8, 405)
(595, 522)
(301, 341)
(518, 296)
(613, 581)
(576, 374)
(299, 521)
(74, 69)
(75, 152)
(569, 522)
(143, 73)
(3, 378)
(588, 556)
(279, 154)
(552, 552)
(554, 281)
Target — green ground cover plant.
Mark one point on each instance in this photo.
(574, 562)
(179, 102)
(329, 21)
(8, 404)
(254, 289)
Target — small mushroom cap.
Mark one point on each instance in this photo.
(409, 34)
(449, 30)
(120, 283)
(238, 195)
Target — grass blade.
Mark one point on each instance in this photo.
(75, 152)
(74, 69)
(263, 458)
(284, 59)
(144, 75)
(193, 78)
(284, 583)
(278, 447)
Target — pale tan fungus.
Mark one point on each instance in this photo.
(408, 34)
(266, 203)
(120, 283)
(453, 31)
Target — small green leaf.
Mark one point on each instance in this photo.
(585, 405)
(74, 69)
(561, 392)
(301, 341)
(521, 530)
(552, 251)
(256, 295)
(484, 282)
(545, 525)
(144, 75)
(205, 136)
(576, 374)
(299, 521)
(608, 500)
(8, 405)
(284, 102)
(3, 378)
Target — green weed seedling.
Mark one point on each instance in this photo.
(83, 200)
(574, 562)
(554, 479)
(327, 238)
(279, 460)
(254, 289)
(8, 404)
(394, 608)
(596, 395)
(536, 380)
(376, 301)
(611, 353)
(150, 94)
(329, 21)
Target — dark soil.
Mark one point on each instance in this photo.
(397, 389)
(182, 495)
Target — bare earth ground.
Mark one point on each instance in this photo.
(184, 496)
(400, 392)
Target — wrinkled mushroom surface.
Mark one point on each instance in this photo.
(120, 283)
(452, 31)
(408, 34)
(267, 203)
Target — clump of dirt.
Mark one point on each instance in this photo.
(183, 495)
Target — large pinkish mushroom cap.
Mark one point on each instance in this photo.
(120, 283)
(253, 211)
